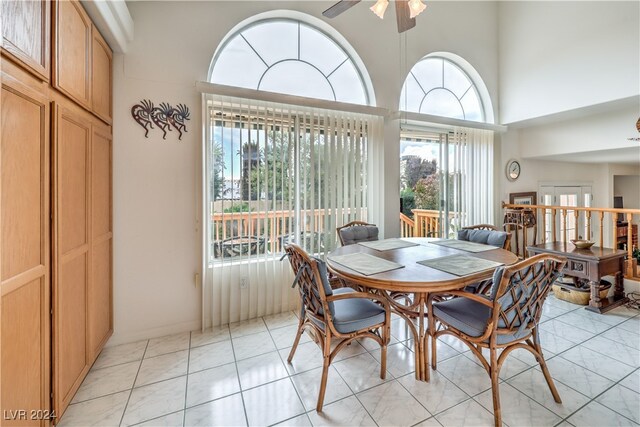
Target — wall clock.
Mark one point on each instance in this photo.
(513, 170)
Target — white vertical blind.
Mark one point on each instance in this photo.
(276, 174)
(472, 171)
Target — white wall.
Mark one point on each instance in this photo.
(559, 56)
(156, 182)
(627, 186)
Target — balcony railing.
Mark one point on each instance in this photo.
(425, 223)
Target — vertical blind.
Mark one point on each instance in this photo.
(276, 174)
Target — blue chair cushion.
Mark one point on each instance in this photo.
(486, 237)
(470, 318)
(359, 233)
(354, 314)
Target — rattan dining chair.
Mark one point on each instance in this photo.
(489, 235)
(335, 314)
(507, 319)
(356, 232)
(481, 227)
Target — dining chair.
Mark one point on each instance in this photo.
(356, 232)
(489, 235)
(505, 320)
(335, 314)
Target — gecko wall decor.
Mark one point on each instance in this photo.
(164, 116)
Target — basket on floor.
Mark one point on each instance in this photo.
(578, 294)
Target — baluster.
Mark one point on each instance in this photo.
(553, 223)
(576, 215)
(588, 219)
(544, 224)
(629, 244)
(564, 225)
(614, 231)
(601, 213)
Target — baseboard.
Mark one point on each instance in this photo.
(125, 337)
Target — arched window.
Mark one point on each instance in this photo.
(438, 86)
(291, 57)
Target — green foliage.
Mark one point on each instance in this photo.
(217, 183)
(408, 201)
(427, 193)
(417, 168)
(239, 207)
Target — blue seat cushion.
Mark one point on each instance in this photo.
(486, 237)
(359, 233)
(470, 318)
(354, 314)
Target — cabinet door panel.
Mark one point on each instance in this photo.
(25, 33)
(99, 298)
(24, 250)
(71, 250)
(72, 47)
(101, 64)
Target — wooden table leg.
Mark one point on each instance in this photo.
(619, 285)
(595, 295)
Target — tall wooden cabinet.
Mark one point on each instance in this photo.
(55, 205)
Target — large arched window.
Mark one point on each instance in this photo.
(438, 86)
(291, 57)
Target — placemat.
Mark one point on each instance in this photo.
(460, 265)
(365, 264)
(464, 245)
(388, 244)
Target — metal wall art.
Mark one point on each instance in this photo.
(165, 117)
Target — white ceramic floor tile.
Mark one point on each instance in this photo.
(527, 357)
(614, 317)
(518, 409)
(632, 381)
(154, 400)
(168, 344)
(596, 362)
(444, 351)
(284, 337)
(631, 325)
(106, 381)
(260, 370)
(583, 322)
(120, 354)
(533, 384)
(400, 330)
(466, 374)
(438, 395)
(431, 422)
(252, 345)
(211, 384)
(371, 345)
(454, 343)
(345, 412)
(552, 311)
(308, 356)
(224, 412)
(553, 344)
(163, 367)
(566, 331)
(104, 411)
(279, 320)
(308, 385)
(468, 413)
(360, 372)
(577, 377)
(623, 401)
(623, 336)
(594, 414)
(209, 336)
(350, 350)
(272, 403)
(615, 350)
(247, 327)
(210, 356)
(555, 302)
(391, 404)
(299, 421)
(172, 420)
(400, 360)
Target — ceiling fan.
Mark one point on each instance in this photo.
(406, 11)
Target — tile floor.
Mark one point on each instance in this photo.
(238, 375)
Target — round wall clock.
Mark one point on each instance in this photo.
(513, 170)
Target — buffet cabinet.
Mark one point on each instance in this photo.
(55, 206)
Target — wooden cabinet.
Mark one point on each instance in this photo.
(101, 77)
(73, 36)
(24, 251)
(25, 34)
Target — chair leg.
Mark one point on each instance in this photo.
(295, 342)
(432, 333)
(545, 370)
(326, 352)
(383, 361)
(495, 391)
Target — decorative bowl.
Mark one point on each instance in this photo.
(582, 244)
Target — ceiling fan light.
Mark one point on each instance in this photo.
(380, 7)
(416, 7)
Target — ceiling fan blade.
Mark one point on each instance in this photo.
(339, 7)
(402, 16)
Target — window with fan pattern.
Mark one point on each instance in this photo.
(439, 87)
(289, 57)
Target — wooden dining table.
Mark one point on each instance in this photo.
(408, 288)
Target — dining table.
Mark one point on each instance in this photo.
(413, 273)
